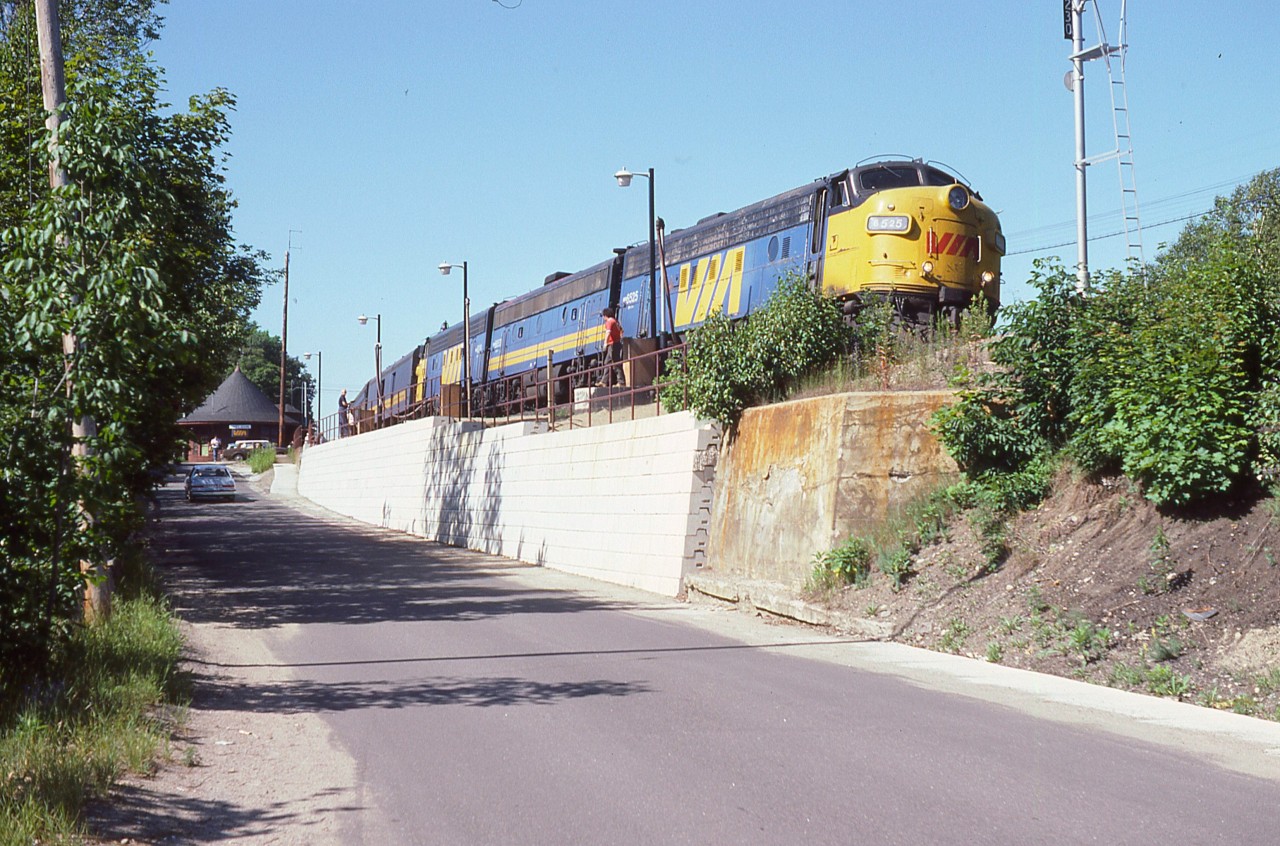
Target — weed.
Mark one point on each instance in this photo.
(1244, 704)
(995, 653)
(262, 460)
(1089, 641)
(1162, 649)
(927, 588)
(1124, 675)
(1209, 698)
(954, 636)
(849, 563)
(1046, 632)
(990, 524)
(1035, 600)
(1009, 625)
(1271, 505)
(91, 723)
(1163, 567)
(871, 610)
(897, 566)
(1268, 682)
(1162, 681)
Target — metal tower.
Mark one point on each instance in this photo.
(1122, 153)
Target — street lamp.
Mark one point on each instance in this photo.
(445, 267)
(624, 178)
(377, 356)
(319, 380)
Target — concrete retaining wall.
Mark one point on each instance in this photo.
(627, 503)
(802, 476)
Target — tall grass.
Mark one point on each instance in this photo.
(263, 459)
(67, 736)
(901, 359)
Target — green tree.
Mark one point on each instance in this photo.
(258, 358)
(137, 259)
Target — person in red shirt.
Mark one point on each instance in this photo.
(612, 348)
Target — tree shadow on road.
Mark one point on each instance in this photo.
(258, 564)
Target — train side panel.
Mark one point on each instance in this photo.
(562, 320)
(729, 263)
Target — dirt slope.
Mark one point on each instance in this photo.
(1100, 585)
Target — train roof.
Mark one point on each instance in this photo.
(718, 231)
(402, 361)
(575, 286)
(790, 208)
(871, 177)
(452, 336)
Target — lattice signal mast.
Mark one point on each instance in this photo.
(1072, 20)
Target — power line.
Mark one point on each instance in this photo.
(1108, 235)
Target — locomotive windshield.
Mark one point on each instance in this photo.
(884, 177)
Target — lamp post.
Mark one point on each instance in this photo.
(445, 267)
(624, 178)
(377, 356)
(319, 380)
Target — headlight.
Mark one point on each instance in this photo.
(926, 268)
(958, 197)
(888, 223)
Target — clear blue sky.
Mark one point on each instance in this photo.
(396, 135)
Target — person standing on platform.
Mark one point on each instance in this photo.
(613, 349)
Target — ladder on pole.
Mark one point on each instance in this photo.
(1123, 152)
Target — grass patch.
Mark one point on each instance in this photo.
(65, 738)
(263, 459)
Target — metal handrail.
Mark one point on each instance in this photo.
(532, 397)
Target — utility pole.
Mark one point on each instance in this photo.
(97, 592)
(284, 342)
(284, 335)
(1072, 11)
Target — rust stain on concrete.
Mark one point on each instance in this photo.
(801, 476)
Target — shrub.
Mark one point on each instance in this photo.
(1167, 373)
(728, 366)
(847, 564)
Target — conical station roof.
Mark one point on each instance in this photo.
(237, 400)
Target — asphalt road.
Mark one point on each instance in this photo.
(483, 701)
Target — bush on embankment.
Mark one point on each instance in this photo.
(728, 366)
(1169, 373)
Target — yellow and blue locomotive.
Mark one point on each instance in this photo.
(901, 230)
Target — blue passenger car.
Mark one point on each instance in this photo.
(441, 363)
(398, 396)
(555, 331)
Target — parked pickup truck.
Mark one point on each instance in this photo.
(239, 450)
